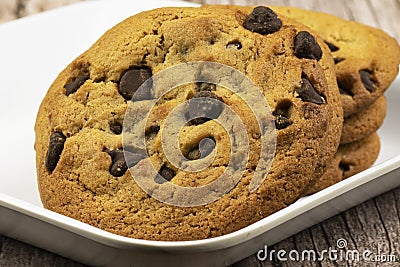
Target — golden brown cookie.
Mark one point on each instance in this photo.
(86, 171)
(367, 59)
(364, 123)
(349, 160)
(337, 114)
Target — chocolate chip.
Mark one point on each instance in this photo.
(345, 92)
(346, 84)
(234, 45)
(308, 93)
(118, 165)
(154, 129)
(56, 146)
(282, 114)
(281, 122)
(151, 132)
(73, 86)
(344, 167)
(305, 46)
(165, 174)
(198, 121)
(116, 127)
(263, 20)
(194, 154)
(205, 87)
(130, 82)
(205, 147)
(203, 108)
(332, 47)
(338, 59)
(366, 79)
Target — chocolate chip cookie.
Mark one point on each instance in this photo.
(86, 171)
(367, 59)
(364, 123)
(312, 52)
(349, 160)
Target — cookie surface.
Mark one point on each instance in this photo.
(367, 59)
(82, 171)
(349, 160)
(364, 123)
(337, 115)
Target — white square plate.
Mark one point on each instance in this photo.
(33, 51)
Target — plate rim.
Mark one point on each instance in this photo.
(221, 242)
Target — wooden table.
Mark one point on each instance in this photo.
(373, 225)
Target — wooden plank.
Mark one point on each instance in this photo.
(8, 10)
(13, 9)
(387, 15)
(333, 8)
(36, 6)
(305, 4)
(303, 241)
(15, 253)
(212, 2)
(361, 12)
(389, 216)
(254, 2)
(285, 246)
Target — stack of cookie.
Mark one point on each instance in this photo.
(190, 73)
(367, 62)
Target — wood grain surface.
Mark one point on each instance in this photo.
(373, 225)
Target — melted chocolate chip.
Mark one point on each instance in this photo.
(205, 87)
(344, 167)
(152, 132)
(198, 121)
(203, 108)
(308, 93)
(282, 114)
(345, 92)
(205, 147)
(234, 45)
(366, 79)
(56, 146)
(332, 47)
(346, 84)
(194, 154)
(305, 46)
(263, 20)
(281, 122)
(154, 129)
(116, 127)
(131, 81)
(338, 59)
(73, 86)
(165, 174)
(118, 165)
